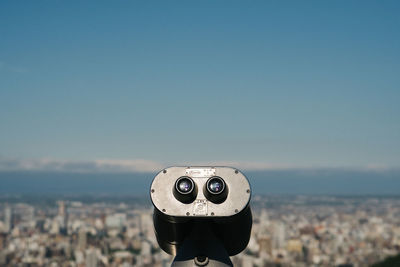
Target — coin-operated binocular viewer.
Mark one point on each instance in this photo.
(201, 214)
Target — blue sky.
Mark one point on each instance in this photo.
(257, 83)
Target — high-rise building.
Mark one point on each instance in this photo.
(63, 217)
(82, 239)
(8, 220)
(145, 223)
(279, 235)
(91, 258)
(265, 245)
(61, 208)
(2, 239)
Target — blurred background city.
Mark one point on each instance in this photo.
(118, 231)
(96, 97)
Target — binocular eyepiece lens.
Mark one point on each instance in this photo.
(215, 190)
(216, 185)
(184, 185)
(185, 189)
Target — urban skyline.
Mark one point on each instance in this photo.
(294, 231)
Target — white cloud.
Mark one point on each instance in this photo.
(243, 165)
(118, 165)
(84, 166)
(143, 165)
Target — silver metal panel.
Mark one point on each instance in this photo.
(161, 192)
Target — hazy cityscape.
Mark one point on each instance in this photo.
(118, 231)
(97, 97)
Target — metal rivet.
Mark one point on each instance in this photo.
(163, 210)
(248, 190)
(187, 213)
(236, 171)
(212, 213)
(236, 211)
(164, 171)
(152, 190)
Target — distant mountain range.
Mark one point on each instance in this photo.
(301, 181)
